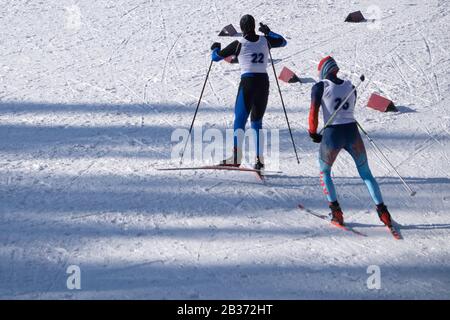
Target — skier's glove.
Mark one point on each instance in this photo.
(316, 138)
(216, 45)
(263, 28)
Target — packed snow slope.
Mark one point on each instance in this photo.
(91, 91)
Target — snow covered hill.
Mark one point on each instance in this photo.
(91, 91)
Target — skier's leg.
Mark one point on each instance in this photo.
(375, 193)
(260, 98)
(357, 150)
(258, 135)
(371, 183)
(327, 182)
(241, 113)
(328, 188)
(329, 149)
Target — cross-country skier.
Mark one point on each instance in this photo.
(252, 52)
(341, 134)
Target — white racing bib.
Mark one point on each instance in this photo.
(254, 56)
(333, 96)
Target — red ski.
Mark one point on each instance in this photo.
(326, 218)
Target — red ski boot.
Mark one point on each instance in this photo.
(384, 215)
(337, 217)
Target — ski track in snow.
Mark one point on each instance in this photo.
(86, 117)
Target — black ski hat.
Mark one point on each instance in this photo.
(247, 24)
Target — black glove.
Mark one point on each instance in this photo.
(263, 28)
(316, 138)
(216, 45)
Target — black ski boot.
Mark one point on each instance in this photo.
(337, 216)
(259, 165)
(384, 215)
(234, 161)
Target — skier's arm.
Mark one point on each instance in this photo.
(316, 98)
(275, 40)
(230, 50)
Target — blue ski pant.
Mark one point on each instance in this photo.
(347, 137)
(251, 101)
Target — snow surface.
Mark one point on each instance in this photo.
(86, 114)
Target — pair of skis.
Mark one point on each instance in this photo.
(259, 173)
(393, 230)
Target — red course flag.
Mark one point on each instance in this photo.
(228, 31)
(288, 76)
(356, 16)
(380, 103)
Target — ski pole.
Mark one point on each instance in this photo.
(196, 110)
(282, 103)
(407, 187)
(330, 121)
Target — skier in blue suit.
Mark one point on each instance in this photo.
(252, 52)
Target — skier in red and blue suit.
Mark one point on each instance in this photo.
(343, 133)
